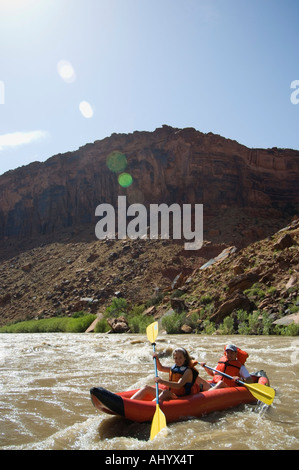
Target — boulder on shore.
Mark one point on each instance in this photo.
(118, 325)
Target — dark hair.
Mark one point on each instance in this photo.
(186, 355)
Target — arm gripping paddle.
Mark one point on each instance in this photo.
(261, 392)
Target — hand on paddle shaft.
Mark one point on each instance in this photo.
(261, 392)
(159, 420)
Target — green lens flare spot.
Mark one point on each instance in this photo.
(125, 180)
(116, 161)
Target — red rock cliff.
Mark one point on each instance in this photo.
(167, 165)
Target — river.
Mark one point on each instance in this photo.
(45, 402)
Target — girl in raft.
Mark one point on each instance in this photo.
(183, 379)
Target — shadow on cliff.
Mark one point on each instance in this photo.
(15, 246)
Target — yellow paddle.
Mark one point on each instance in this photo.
(159, 420)
(261, 392)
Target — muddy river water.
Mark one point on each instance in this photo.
(45, 403)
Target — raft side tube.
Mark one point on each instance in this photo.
(260, 377)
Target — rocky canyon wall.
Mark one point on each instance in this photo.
(168, 165)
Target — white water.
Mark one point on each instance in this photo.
(45, 404)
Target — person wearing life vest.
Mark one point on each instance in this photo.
(182, 378)
(231, 363)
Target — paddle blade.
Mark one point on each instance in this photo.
(158, 423)
(262, 392)
(152, 332)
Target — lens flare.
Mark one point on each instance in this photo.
(86, 109)
(66, 71)
(125, 180)
(116, 162)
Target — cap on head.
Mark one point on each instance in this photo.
(232, 347)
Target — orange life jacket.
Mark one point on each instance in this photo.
(176, 373)
(230, 367)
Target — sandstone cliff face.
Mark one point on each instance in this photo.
(168, 165)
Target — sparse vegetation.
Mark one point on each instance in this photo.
(172, 323)
(74, 324)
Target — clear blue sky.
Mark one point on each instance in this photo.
(221, 66)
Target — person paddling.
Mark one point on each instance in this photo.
(182, 378)
(231, 363)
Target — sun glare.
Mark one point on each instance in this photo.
(15, 5)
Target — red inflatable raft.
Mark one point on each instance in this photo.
(186, 407)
